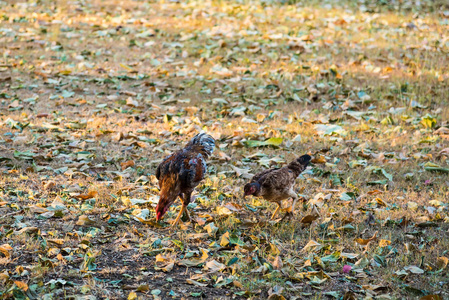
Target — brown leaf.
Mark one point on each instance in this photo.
(365, 242)
(311, 244)
(214, 266)
(91, 194)
(319, 160)
(309, 219)
(127, 164)
(275, 293)
(149, 222)
(375, 192)
(49, 185)
(131, 102)
(28, 230)
(56, 241)
(38, 209)
(84, 220)
(431, 297)
(233, 206)
(277, 263)
(442, 262)
(143, 288)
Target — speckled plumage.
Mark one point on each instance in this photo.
(180, 172)
(277, 184)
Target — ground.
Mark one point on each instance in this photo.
(93, 94)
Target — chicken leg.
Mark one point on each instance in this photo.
(185, 198)
(183, 209)
(291, 209)
(274, 214)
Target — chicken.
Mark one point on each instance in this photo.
(276, 184)
(179, 173)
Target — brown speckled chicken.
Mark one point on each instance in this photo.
(276, 184)
(180, 172)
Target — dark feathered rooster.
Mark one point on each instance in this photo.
(180, 172)
(277, 184)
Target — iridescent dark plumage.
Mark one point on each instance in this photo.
(180, 172)
(277, 184)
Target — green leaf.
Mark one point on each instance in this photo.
(387, 175)
(348, 196)
(331, 258)
(232, 261)
(67, 94)
(435, 168)
(27, 155)
(332, 294)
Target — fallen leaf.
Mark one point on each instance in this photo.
(127, 164)
(6, 249)
(22, 285)
(365, 242)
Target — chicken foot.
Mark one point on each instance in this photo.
(185, 197)
(291, 209)
(181, 212)
(274, 214)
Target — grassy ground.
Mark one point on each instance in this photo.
(95, 93)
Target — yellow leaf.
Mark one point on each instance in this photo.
(132, 296)
(381, 202)
(6, 249)
(143, 288)
(387, 70)
(224, 241)
(65, 72)
(384, 243)
(149, 222)
(129, 69)
(22, 285)
(274, 249)
(412, 206)
(442, 262)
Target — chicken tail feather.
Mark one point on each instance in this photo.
(299, 164)
(205, 140)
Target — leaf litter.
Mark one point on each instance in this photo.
(93, 97)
